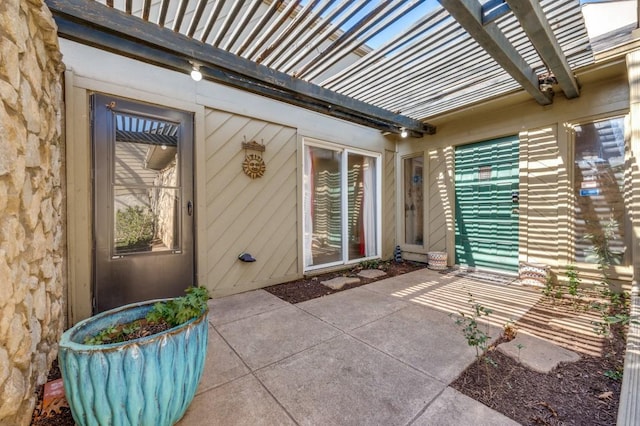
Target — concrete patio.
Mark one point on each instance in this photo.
(380, 354)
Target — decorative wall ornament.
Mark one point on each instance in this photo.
(253, 164)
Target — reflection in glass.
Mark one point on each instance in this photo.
(361, 206)
(413, 205)
(145, 185)
(599, 190)
(325, 213)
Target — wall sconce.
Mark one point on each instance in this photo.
(403, 132)
(196, 75)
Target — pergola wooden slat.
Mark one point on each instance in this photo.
(350, 59)
(94, 24)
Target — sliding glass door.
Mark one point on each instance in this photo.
(341, 206)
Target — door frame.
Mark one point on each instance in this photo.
(121, 268)
(79, 200)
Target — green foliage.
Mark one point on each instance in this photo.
(547, 290)
(520, 346)
(370, 264)
(614, 374)
(550, 290)
(474, 335)
(173, 312)
(615, 309)
(104, 336)
(181, 309)
(134, 227)
(574, 281)
(600, 246)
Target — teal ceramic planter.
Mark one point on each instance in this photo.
(146, 381)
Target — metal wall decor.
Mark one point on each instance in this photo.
(253, 164)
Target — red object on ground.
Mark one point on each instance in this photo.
(53, 398)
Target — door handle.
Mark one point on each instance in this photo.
(189, 208)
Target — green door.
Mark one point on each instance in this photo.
(486, 204)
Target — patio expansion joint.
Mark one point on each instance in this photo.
(424, 373)
(268, 391)
(253, 372)
(349, 333)
(272, 309)
(362, 325)
(426, 407)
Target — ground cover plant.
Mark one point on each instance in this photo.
(163, 316)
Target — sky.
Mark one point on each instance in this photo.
(406, 21)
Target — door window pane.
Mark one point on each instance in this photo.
(325, 212)
(340, 206)
(145, 186)
(413, 205)
(599, 191)
(361, 206)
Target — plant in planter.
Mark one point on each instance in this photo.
(117, 375)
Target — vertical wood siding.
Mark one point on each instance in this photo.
(438, 204)
(258, 216)
(389, 204)
(541, 169)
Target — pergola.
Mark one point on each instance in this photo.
(389, 64)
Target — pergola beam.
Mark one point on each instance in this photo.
(92, 23)
(535, 24)
(469, 14)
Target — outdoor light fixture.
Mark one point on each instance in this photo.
(196, 75)
(403, 133)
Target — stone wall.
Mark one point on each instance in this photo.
(165, 205)
(32, 231)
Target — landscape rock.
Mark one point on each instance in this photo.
(536, 353)
(371, 273)
(339, 282)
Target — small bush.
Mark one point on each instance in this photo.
(134, 227)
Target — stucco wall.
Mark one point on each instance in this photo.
(31, 204)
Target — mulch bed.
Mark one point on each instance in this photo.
(310, 287)
(572, 394)
(60, 416)
(575, 393)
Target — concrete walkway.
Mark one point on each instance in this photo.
(380, 354)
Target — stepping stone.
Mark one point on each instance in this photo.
(538, 354)
(371, 273)
(339, 282)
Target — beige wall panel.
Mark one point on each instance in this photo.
(389, 204)
(253, 215)
(437, 201)
(79, 211)
(540, 165)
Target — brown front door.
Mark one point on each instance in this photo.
(143, 202)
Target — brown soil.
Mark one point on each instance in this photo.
(576, 393)
(310, 287)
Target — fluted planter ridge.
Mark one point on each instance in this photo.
(146, 381)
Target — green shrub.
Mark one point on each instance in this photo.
(134, 227)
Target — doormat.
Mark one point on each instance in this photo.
(483, 276)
